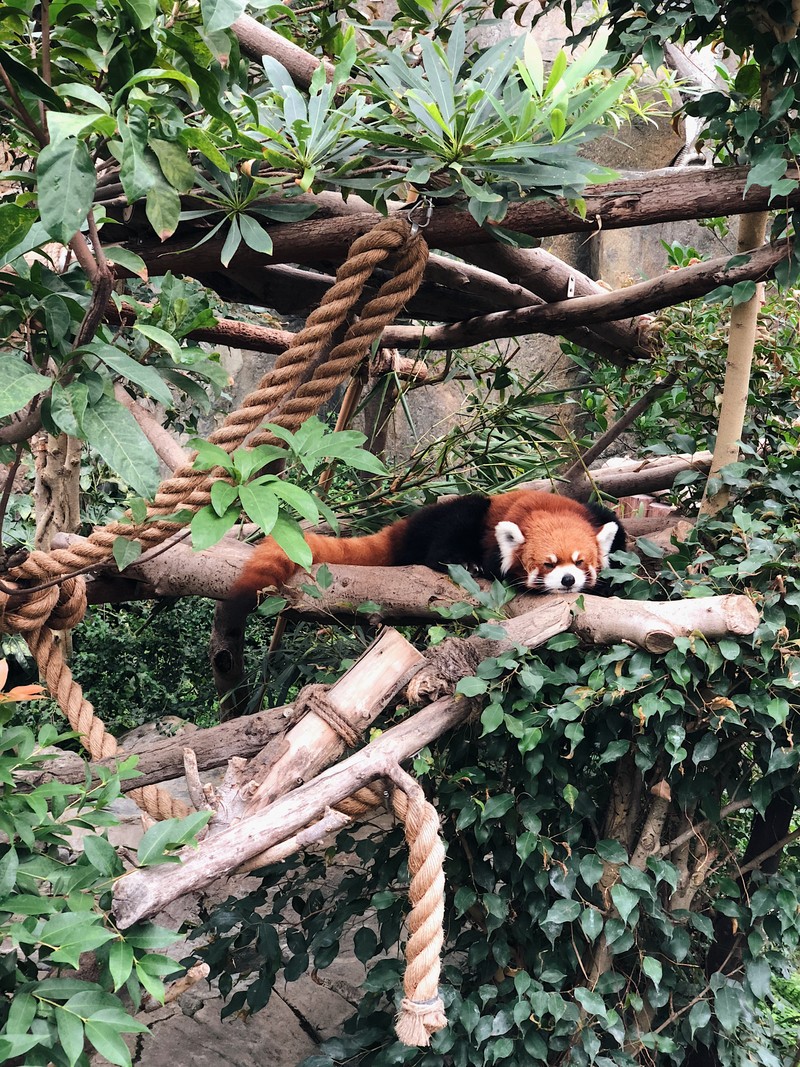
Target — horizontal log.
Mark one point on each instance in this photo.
(632, 200)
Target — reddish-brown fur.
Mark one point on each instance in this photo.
(553, 526)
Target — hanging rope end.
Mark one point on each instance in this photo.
(418, 1020)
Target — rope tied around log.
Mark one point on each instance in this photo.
(313, 698)
(302, 380)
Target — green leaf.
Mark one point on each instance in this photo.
(471, 686)
(106, 1039)
(18, 383)
(163, 208)
(142, 12)
(15, 222)
(66, 185)
(625, 901)
(137, 171)
(100, 853)
(223, 495)
(728, 1006)
(125, 552)
(699, 1016)
(163, 340)
(113, 432)
(68, 406)
(169, 834)
(9, 865)
(653, 969)
(138, 373)
(254, 236)
(70, 1034)
(123, 257)
(592, 1002)
(261, 506)
(759, 977)
(174, 163)
(591, 923)
(72, 933)
(290, 537)
(563, 911)
(120, 962)
(208, 527)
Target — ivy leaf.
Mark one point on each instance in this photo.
(625, 900)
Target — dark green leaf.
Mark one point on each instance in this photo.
(66, 185)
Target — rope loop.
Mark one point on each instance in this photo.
(314, 698)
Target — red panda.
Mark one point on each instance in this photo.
(538, 541)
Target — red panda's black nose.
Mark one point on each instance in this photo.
(568, 580)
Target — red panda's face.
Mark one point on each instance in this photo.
(554, 554)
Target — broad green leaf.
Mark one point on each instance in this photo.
(99, 852)
(72, 933)
(254, 235)
(591, 923)
(114, 433)
(625, 901)
(232, 241)
(174, 163)
(169, 834)
(303, 503)
(15, 222)
(9, 865)
(471, 686)
(70, 1034)
(142, 12)
(261, 505)
(66, 185)
(290, 537)
(728, 1005)
(138, 373)
(653, 969)
(223, 495)
(591, 1001)
(162, 338)
(137, 170)
(208, 527)
(18, 383)
(106, 1039)
(699, 1016)
(563, 911)
(68, 405)
(62, 126)
(123, 257)
(163, 208)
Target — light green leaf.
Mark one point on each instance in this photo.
(125, 552)
(699, 1016)
(163, 208)
(142, 12)
(223, 495)
(67, 407)
(563, 911)
(66, 187)
(162, 338)
(303, 503)
(18, 383)
(653, 969)
(261, 505)
(290, 537)
(107, 1041)
(113, 432)
(137, 171)
(99, 852)
(254, 235)
(62, 125)
(625, 900)
(591, 923)
(15, 222)
(232, 241)
(9, 865)
(72, 933)
(728, 1006)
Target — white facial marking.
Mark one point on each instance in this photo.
(565, 579)
(533, 578)
(605, 538)
(575, 557)
(509, 538)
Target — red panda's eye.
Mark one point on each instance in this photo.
(548, 566)
(579, 562)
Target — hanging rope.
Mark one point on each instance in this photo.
(38, 614)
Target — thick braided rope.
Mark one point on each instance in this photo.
(421, 1010)
(191, 489)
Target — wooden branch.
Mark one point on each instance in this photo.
(142, 893)
(666, 290)
(168, 450)
(634, 200)
(145, 892)
(256, 41)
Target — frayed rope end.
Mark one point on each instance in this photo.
(417, 1020)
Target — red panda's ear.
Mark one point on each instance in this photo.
(605, 539)
(509, 538)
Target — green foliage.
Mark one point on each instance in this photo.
(54, 906)
(524, 800)
(264, 498)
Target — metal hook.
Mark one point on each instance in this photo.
(423, 206)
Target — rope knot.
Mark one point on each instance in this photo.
(24, 612)
(314, 698)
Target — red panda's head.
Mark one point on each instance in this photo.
(554, 553)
